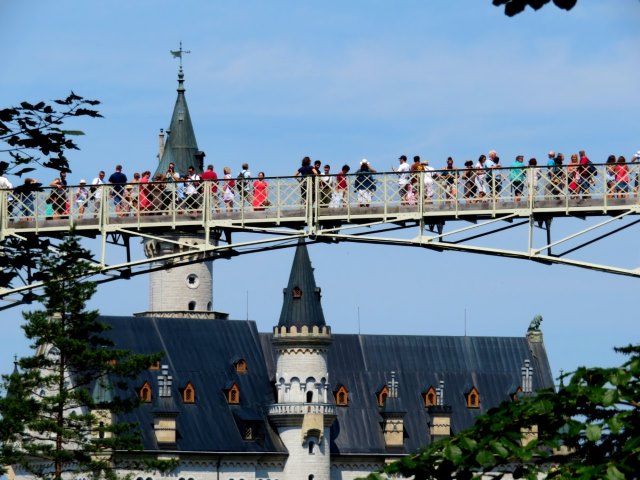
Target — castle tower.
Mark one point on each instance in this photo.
(305, 408)
(184, 289)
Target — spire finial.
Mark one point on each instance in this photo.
(178, 54)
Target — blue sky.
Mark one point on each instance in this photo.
(271, 82)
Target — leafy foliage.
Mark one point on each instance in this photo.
(51, 414)
(34, 130)
(588, 429)
(513, 7)
(32, 134)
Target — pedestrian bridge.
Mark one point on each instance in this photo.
(442, 210)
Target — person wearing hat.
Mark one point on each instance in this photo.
(365, 183)
(81, 197)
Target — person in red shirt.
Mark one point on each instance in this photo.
(342, 185)
(209, 176)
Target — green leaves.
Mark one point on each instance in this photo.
(49, 413)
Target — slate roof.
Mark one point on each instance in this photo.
(181, 145)
(305, 308)
(364, 362)
(203, 352)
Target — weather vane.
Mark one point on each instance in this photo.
(178, 53)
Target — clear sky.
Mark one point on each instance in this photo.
(271, 82)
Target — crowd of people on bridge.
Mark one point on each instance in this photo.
(474, 182)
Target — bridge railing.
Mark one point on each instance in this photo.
(303, 198)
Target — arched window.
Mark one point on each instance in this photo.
(309, 397)
(241, 366)
(189, 393)
(233, 395)
(192, 305)
(430, 397)
(311, 445)
(101, 430)
(342, 396)
(382, 395)
(473, 398)
(145, 392)
(311, 477)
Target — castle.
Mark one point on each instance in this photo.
(228, 402)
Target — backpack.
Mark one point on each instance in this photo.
(591, 169)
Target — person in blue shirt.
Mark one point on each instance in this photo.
(118, 180)
(517, 177)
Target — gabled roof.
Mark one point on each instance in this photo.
(301, 304)
(181, 146)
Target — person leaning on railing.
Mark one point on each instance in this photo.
(517, 176)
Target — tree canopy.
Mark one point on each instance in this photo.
(33, 134)
(513, 7)
(59, 410)
(588, 429)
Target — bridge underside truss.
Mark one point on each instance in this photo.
(516, 225)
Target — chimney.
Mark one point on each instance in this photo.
(164, 414)
(393, 414)
(440, 424)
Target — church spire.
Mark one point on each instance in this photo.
(301, 305)
(181, 146)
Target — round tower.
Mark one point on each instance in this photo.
(305, 408)
(187, 288)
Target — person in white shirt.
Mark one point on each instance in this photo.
(192, 189)
(96, 191)
(404, 180)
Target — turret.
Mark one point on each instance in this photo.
(304, 410)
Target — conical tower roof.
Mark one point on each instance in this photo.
(181, 146)
(301, 305)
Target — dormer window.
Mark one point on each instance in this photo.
(342, 396)
(233, 395)
(145, 392)
(189, 393)
(241, 366)
(155, 366)
(473, 398)
(430, 397)
(382, 395)
(296, 292)
(515, 395)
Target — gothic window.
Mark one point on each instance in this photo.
(189, 393)
(382, 395)
(473, 398)
(296, 292)
(145, 392)
(430, 397)
(241, 366)
(342, 396)
(233, 395)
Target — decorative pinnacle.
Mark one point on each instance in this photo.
(178, 53)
